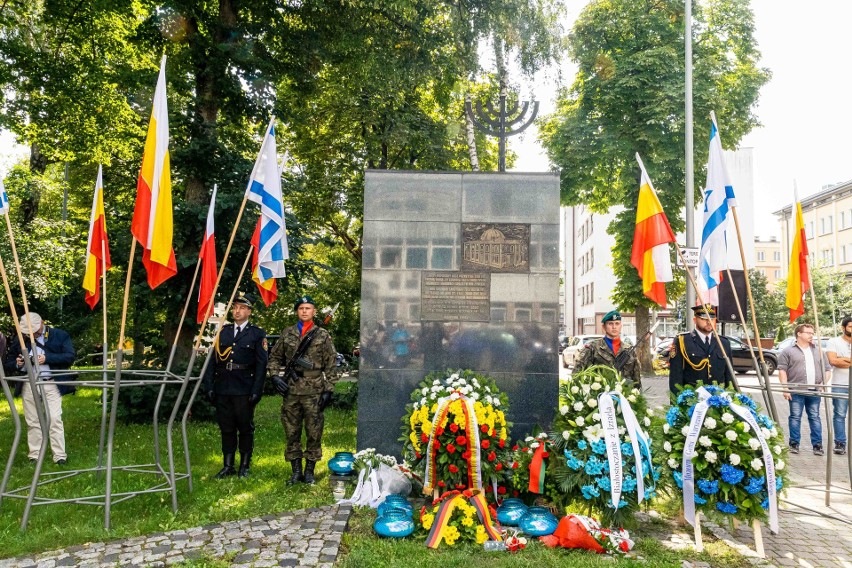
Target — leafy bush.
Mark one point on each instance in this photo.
(136, 404)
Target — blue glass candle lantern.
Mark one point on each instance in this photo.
(510, 512)
(397, 502)
(538, 521)
(343, 463)
(395, 523)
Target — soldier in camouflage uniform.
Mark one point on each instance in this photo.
(605, 350)
(309, 393)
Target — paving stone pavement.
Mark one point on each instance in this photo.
(307, 537)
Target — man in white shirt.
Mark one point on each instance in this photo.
(798, 366)
(839, 352)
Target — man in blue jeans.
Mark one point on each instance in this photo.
(801, 367)
(839, 355)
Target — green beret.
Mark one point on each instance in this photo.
(704, 309)
(611, 316)
(303, 300)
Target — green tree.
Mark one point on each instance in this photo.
(768, 305)
(833, 299)
(353, 84)
(628, 97)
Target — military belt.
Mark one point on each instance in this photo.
(231, 366)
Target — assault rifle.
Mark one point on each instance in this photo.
(288, 375)
(623, 355)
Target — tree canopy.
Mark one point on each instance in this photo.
(353, 84)
(628, 97)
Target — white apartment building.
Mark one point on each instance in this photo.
(588, 278)
(828, 228)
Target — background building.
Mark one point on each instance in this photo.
(828, 228)
(586, 250)
(767, 259)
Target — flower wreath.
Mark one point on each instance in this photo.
(459, 515)
(735, 451)
(531, 475)
(455, 433)
(589, 438)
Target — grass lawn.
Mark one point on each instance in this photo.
(265, 492)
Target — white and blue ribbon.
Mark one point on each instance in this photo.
(638, 439)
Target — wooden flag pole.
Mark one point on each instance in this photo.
(104, 300)
(230, 300)
(104, 357)
(820, 352)
(766, 395)
(222, 268)
(126, 295)
(183, 315)
(231, 240)
(715, 333)
(761, 370)
(818, 338)
(21, 285)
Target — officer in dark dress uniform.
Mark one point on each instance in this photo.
(234, 382)
(695, 356)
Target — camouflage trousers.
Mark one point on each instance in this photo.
(298, 409)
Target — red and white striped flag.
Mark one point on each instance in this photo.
(208, 266)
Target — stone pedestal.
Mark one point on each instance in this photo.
(460, 271)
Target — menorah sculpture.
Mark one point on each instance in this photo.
(501, 122)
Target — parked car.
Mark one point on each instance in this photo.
(575, 344)
(563, 343)
(791, 340)
(741, 358)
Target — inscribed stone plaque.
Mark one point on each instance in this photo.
(496, 247)
(454, 296)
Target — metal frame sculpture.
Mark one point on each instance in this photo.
(121, 378)
(168, 476)
(501, 122)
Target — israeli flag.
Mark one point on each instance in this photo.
(4, 199)
(718, 200)
(264, 188)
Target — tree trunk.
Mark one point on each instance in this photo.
(643, 352)
(30, 202)
(471, 139)
(500, 60)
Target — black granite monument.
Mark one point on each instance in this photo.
(460, 271)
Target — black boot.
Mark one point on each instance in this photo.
(297, 476)
(309, 472)
(228, 468)
(245, 463)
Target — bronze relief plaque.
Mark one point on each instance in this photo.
(495, 247)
